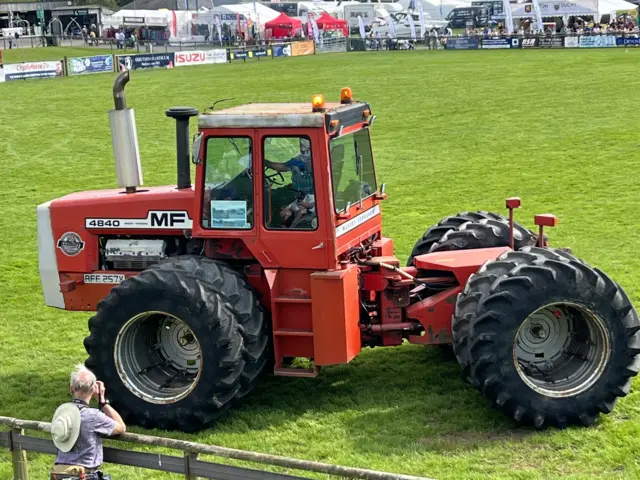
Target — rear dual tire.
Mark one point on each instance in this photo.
(547, 338)
(471, 230)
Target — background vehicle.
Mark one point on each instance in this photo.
(402, 26)
(468, 17)
(199, 290)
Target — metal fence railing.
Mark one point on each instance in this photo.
(189, 465)
(488, 41)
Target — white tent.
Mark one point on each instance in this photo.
(612, 6)
(228, 13)
(178, 22)
(549, 8)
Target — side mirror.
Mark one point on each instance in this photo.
(195, 151)
(380, 195)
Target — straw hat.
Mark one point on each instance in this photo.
(65, 426)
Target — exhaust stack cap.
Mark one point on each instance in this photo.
(124, 136)
(182, 116)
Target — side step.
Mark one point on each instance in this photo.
(296, 372)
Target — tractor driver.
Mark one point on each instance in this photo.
(296, 202)
(300, 167)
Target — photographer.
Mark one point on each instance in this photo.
(76, 429)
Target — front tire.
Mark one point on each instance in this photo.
(178, 344)
(551, 340)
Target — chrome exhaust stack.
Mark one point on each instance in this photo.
(125, 138)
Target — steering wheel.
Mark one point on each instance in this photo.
(274, 178)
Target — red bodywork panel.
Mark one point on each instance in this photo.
(336, 313)
(435, 312)
(461, 262)
(68, 214)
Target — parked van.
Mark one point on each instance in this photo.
(468, 17)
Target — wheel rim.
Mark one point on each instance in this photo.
(561, 349)
(158, 357)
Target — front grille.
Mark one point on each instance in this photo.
(134, 263)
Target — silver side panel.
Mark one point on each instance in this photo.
(47, 263)
(260, 121)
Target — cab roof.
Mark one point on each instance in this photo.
(278, 115)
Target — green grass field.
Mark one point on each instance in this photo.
(455, 131)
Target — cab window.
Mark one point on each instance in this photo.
(352, 171)
(228, 183)
(289, 187)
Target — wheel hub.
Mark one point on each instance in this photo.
(561, 349)
(543, 335)
(158, 357)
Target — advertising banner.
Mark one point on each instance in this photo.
(85, 65)
(282, 51)
(628, 42)
(551, 42)
(238, 55)
(133, 20)
(260, 53)
(496, 43)
(247, 54)
(302, 48)
(145, 60)
(461, 43)
(515, 42)
(529, 42)
(597, 41)
(200, 57)
(555, 9)
(1, 74)
(24, 71)
(571, 42)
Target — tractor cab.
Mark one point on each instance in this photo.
(295, 182)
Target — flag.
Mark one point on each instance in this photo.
(392, 28)
(363, 33)
(423, 29)
(536, 8)
(219, 28)
(508, 17)
(412, 27)
(316, 34)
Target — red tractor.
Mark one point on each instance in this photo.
(277, 253)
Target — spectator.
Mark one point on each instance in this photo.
(76, 429)
(434, 39)
(120, 40)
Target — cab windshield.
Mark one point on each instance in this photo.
(352, 171)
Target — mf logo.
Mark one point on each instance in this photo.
(515, 42)
(168, 219)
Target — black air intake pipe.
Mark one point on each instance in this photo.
(182, 116)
